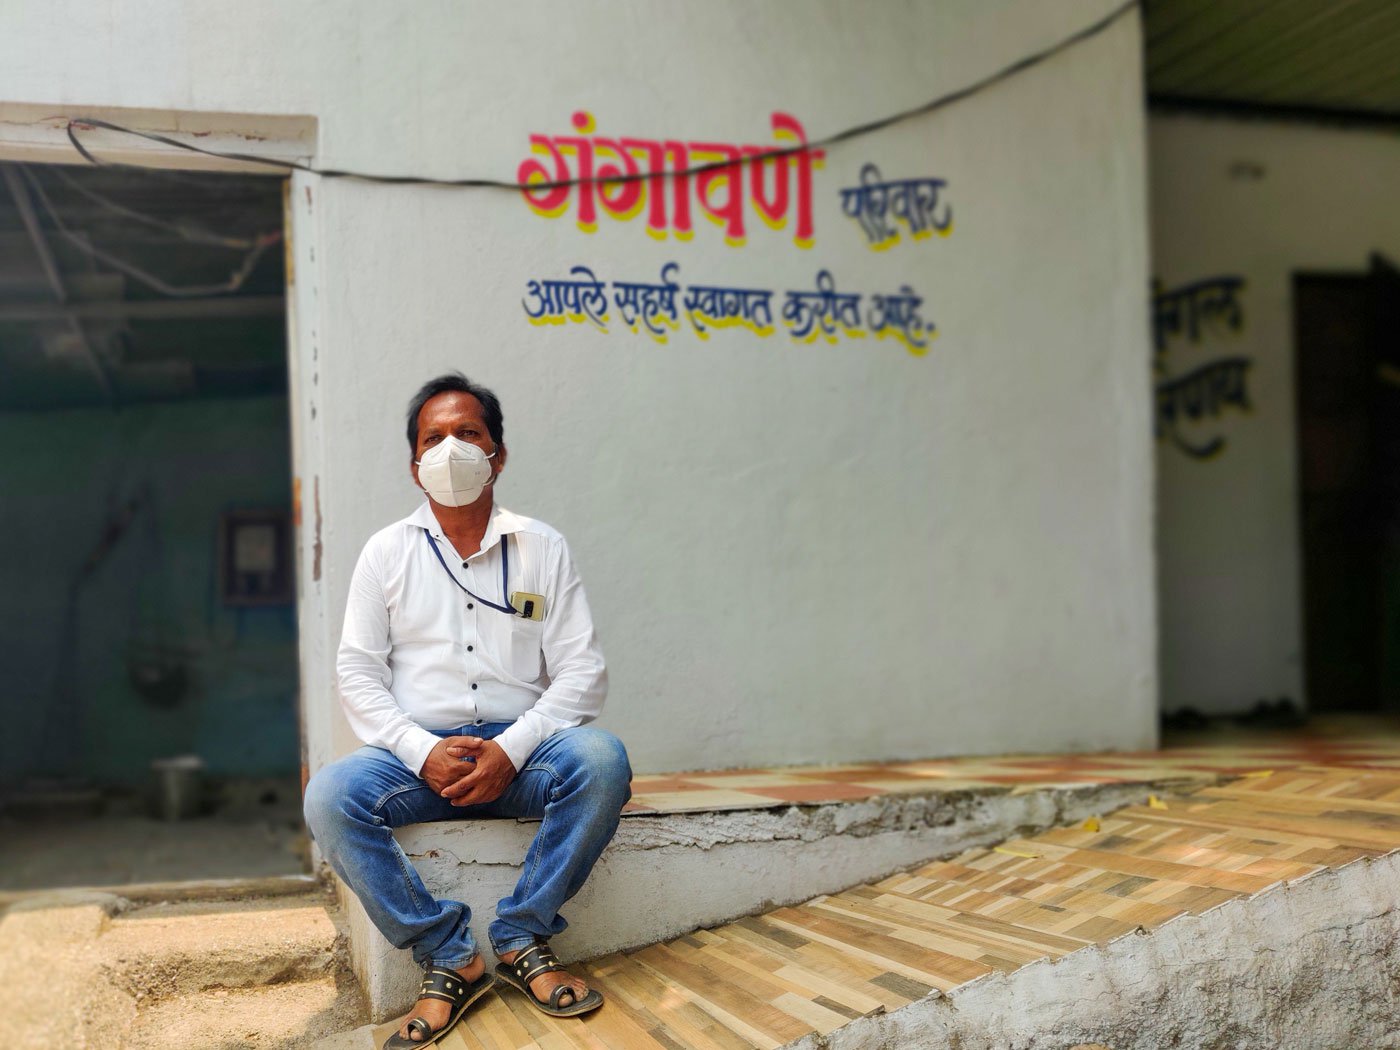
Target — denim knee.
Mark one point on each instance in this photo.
(323, 804)
(602, 759)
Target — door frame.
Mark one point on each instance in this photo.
(39, 134)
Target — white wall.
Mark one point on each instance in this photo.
(795, 552)
(1306, 199)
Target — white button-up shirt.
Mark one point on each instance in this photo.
(419, 653)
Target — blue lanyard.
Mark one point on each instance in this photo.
(505, 573)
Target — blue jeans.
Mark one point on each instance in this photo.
(576, 782)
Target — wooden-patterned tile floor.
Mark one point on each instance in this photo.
(1339, 741)
(1299, 806)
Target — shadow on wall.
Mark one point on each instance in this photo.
(121, 645)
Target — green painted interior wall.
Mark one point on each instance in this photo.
(69, 706)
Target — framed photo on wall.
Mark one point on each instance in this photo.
(255, 557)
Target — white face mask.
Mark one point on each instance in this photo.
(453, 472)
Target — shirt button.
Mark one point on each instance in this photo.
(469, 648)
(464, 565)
(470, 605)
(473, 685)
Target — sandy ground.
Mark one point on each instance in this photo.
(90, 971)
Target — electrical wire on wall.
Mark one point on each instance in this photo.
(860, 130)
(255, 247)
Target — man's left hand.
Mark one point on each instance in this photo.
(488, 777)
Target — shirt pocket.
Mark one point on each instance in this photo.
(523, 653)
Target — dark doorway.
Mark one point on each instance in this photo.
(1348, 409)
(148, 618)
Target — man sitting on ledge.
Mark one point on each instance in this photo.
(468, 666)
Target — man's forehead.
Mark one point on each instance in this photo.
(450, 407)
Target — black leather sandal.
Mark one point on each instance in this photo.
(532, 962)
(450, 987)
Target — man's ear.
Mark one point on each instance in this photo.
(501, 453)
(413, 472)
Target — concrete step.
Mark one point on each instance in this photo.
(1256, 914)
(248, 972)
(665, 875)
(173, 949)
(277, 1017)
(182, 890)
(49, 942)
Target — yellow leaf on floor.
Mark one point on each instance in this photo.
(1153, 802)
(1092, 824)
(1015, 852)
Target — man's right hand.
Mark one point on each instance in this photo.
(441, 770)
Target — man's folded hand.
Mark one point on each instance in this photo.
(468, 770)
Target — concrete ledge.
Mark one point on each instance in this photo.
(88, 969)
(667, 875)
(1310, 964)
(187, 890)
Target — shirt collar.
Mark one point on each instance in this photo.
(502, 523)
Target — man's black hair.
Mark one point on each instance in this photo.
(455, 381)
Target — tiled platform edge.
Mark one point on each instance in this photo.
(1261, 913)
(666, 875)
